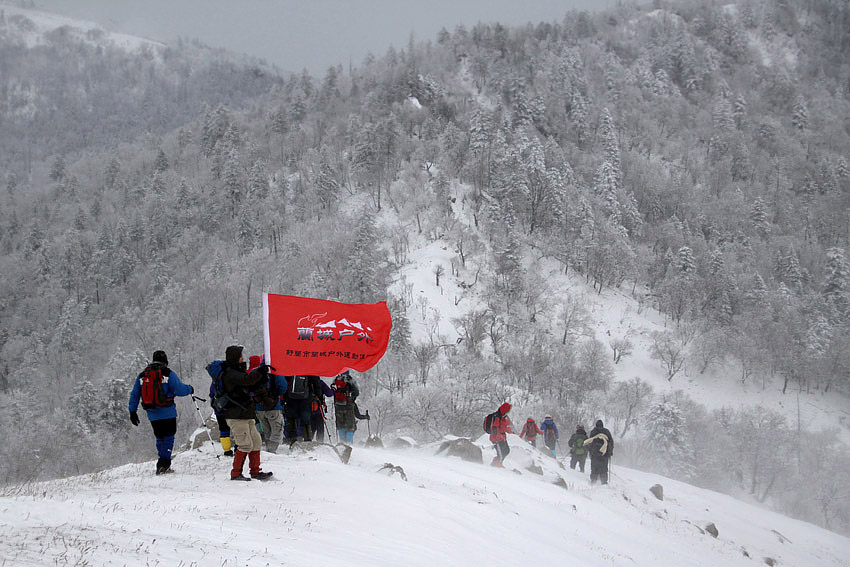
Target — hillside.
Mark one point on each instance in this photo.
(446, 512)
(638, 214)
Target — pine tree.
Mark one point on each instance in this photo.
(160, 164)
(665, 430)
(686, 263)
(363, 281)
(836, 286)
(758, 217)
(800, 113)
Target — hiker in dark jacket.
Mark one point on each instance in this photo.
(320, 411)
(600, 446)
(163, 419)
(242, 389)
(550, 434)
(346, 392)
(499, 429)
(530, 431)
(298, 406)
(578, 454)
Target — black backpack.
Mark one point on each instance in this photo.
(488, 421)
(221, 399)
(298, 388)
(153, 394)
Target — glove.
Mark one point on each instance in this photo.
(269, 403)
(134, 418)
(367, 416)
(192, 388)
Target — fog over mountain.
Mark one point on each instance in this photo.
(312, 35)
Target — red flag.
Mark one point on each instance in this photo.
(323, 338)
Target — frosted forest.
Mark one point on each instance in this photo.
(689, 156)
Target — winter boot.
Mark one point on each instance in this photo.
(226, 446)
(240, 477)
(497, 463)
(254, 466)
(163, 466)
(238, 463)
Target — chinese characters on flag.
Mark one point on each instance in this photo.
(321, 337)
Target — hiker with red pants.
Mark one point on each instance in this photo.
(500, 426)
(156, 387)
(530, 431)
(242, 389)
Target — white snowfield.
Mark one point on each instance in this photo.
(319, 511)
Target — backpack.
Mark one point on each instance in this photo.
(298, 388)
(153, 394)
(488, 421)
(340, 387)
(274, 390)
(579, 445)
(220, 399)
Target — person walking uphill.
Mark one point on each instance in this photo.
(242, 389)
(346, 393)
(156, 387)
(498, 424)
(550, 434)
(530, 431)
(600, 446)
(578, 454)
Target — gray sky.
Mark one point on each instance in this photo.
(294, 34)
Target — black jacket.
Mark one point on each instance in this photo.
(597, 444)
(244, 389)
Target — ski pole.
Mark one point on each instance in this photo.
(195, 400)
(368, 424)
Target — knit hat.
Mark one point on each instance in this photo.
(254, 361)
(159, 356)
(233, 353)
(505, 408)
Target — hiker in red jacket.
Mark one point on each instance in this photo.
(530, 431)
(499, 428)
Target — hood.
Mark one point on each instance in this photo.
(254, 361)
(504, 408)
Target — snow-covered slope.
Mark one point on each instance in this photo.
(319, 511)
(31, 25)
(612, 314)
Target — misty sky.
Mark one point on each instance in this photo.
(294, 34)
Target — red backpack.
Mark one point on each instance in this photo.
(153, 394)
(340, 391)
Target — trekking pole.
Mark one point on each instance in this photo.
(325, 422)
(195, 400)
(368, 424)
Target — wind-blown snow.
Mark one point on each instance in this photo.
(319, 511)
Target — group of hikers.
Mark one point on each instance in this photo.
(252, 406)
(599, 444)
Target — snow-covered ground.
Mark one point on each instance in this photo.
(613, 314)
(41, 22)
(319, 511)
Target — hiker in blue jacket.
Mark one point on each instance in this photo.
(550, 434)
(158, 403)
